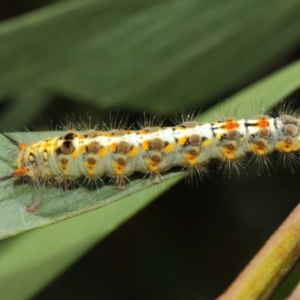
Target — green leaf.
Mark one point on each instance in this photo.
(147, 55)
(31, 260)
(265, 93)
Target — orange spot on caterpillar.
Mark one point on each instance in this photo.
(284, 147)
(133, 151)
(20, 172)
(190, 158)
(259, 148)
(21, 146)
(113, 147)
(152, 165)
(83, 149)
(182, 141)
(231, 125)
(206, 143)
(119, 167)
(229, 151)
(75, 153)
(169, 148)
(154, 161)
(90, 165)
(109, 134)
(180, 127)
(263, 123)
(145, 145)
(103, 152)
(143, 131)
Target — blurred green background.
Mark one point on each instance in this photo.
(97, 57)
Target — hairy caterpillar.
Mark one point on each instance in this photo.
(90, 156)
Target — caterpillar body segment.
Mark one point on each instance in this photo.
(152, 150)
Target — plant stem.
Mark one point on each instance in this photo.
(262, 276)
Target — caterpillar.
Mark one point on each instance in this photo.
(118, 153)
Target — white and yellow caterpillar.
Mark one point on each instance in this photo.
(153, 150)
